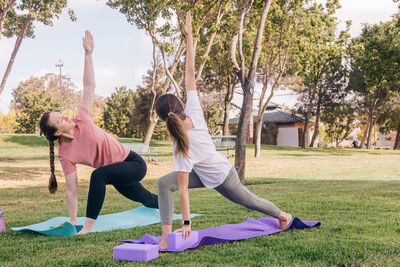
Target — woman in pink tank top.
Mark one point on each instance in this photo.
(82, 142)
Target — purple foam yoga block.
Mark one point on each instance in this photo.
(176, 241)
(135, 252)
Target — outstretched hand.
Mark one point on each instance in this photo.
(185, 230)
(88, 43)
(187, 27)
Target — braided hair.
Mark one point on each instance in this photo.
(48, 132)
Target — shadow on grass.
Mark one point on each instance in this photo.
(319, 151)
(257, 181)
(153, 143)
(21, 158)
(26, 140)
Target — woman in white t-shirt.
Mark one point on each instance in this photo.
(196, 162)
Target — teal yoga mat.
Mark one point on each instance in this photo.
(122, 220)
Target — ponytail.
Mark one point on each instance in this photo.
(175, 128)
(52, 181)
(48, 132)
(170, 110)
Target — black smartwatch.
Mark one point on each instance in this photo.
(185, 222)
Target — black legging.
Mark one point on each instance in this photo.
(125, 177)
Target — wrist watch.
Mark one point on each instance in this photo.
(186, 222)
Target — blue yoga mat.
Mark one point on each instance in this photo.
(122, 220)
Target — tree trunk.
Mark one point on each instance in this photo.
(152, 116)
(150, 129)
(315, 134)
(18, 42)
(258, 137)
(371, 125)
(366, 131)
(397, 141)
(227, 103)
(305, 143)
(210, 43)
(315, 127)
(250, 133)
(261, 109)
(225, 130)
(373, 121)
(247, 82)
(242, 133)
(304, 138)
(169, 71)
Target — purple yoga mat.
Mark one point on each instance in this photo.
(230, 232)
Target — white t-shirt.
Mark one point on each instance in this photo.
(210, 165)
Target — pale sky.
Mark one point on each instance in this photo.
(122, 53)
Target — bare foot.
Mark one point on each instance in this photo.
(163, 245)
(83, 231)
(284, 219)
(87, 227)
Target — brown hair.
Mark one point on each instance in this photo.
(49, 131)
(170, 110)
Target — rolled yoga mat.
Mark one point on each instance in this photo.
(227, 233)
(140, 216)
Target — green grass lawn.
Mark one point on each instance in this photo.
(354, 193)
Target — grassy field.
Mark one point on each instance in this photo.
(354, 193)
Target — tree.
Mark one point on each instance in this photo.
(20, 23)
(212, 116)
(246, 77)
(32, 107)
(218, 75)
(338, 119)
(144, 15)
(167, 38)
(281, 35)
(145, 94)
(374, 71)
(6, 7)
(8, 122)
(390, 120)
(319, 48)
(119, 111)
(50, 83)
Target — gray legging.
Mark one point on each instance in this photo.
(231, 188)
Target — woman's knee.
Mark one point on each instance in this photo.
(167, 182)
(97, 175)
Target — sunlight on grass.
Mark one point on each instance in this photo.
(24, 162)
(354, 193)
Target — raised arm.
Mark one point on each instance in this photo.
(71, 191)
(190, 80)
(88, 73)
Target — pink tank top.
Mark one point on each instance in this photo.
(91, 145)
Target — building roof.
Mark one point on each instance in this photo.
(276, 116)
